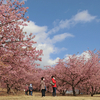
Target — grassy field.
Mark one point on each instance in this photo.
(47, 98)
(37, 96)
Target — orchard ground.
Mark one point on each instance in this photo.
(37, 96)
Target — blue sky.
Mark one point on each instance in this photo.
(64, 27)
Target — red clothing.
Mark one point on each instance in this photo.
(54, 83)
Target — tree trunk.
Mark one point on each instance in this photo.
(79, 92)
(73, 89)
(48, 89)
(87, 91)
(8, 89)
(92, 93)
(16, 90)
(63, 92)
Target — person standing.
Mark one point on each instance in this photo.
(43, 86)
(30, 89)
(26, 89)
(54, 86)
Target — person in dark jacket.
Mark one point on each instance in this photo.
(54, 86)
(43, 89)
(30, 89)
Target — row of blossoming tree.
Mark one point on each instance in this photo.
(18, 56)
(76, 73)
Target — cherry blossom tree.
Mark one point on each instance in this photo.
(77, 69)
(19, 69)
(92, 86)
(17, 54)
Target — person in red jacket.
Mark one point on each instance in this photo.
(54, 86)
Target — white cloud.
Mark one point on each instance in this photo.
(85, 54)
(64, 24)
(83, 16)
(38, 31)
(60, 37)
(35, 29)
(46, 43)
(47, 50)
(53, 62)
(41, 34)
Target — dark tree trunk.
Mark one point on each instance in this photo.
(64, 92)
(16, 90)
(87, 91)
(73, 89)
(48, 89)
(92, 93)
(8, 89)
